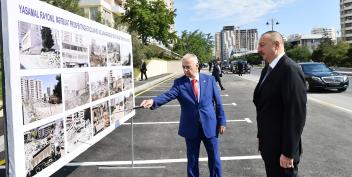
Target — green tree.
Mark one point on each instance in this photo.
(57, 89)
(47, 38)
(253, 59)
(99, 18)
(137, 50)
(69, 5)
(299, 53)
(197, 43)
(335, 55)
(149, 19)
(118, 24)
(347, 62)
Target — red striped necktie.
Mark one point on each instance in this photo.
(195, 88)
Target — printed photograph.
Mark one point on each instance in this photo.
(101, 117)
(98, 53)
(128, 102)
(126, 56)
(78, 129)
(127, 79)
(43, 146)
(115, 81)
(99, 84)
(114, 57)
(74, 50)
(41, 97)
(116, 108)
(76, 89)
(38, 46)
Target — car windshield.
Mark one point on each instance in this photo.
(309, 68)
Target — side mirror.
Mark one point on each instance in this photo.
(332, 69)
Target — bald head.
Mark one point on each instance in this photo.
(271, 45)
(190, 57)
(274, 36)
(190, 65)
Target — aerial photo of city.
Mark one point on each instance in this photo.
(117, 108)
(76, 89)
(114, 57)
(78, 129)
(126, 55)
(127, 79)
(99, 84)
(43, 146)
(74, 50)
(39, 47)
(101, 117)
(115, 81)
(98, 53)
(41, 97)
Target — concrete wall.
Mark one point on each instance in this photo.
(156, 67)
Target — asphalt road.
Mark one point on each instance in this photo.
(327, 138)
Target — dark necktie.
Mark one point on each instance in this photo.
(266, 75)
(195, 88)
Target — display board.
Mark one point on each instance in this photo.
(68, 83)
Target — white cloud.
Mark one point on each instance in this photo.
(238, 11)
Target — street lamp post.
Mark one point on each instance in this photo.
(271, 22)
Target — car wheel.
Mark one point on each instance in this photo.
(341, 89)
(307, 86)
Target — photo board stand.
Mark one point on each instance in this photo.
(133, 165)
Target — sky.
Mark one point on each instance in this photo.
(294, 16)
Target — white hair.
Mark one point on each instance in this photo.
(190, 56)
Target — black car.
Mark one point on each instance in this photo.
(234, 67)
(319, 76)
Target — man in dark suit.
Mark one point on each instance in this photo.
(217, 73)
(143, 69)
(240, 67)
(202, 114)
(280, 99)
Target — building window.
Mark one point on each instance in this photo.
(93, 13)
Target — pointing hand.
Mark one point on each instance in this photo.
(147, 103)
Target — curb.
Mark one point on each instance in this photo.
(151, 83)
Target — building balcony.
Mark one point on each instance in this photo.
(346, 1)
(348, 35)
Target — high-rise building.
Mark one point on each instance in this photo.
(107, 8)
(217, 45)
(326, 32)
(31, 90)
(346, 20)
(234, 40)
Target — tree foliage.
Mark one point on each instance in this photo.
(57, 89)
(47, 38)
(197, 43)
(299, 53)
(69, 5)
(149, 19)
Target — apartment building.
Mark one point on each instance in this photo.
(234, 40)
(346, 20)
(218, 45)
(107, 8)
(326, 32)
(31, 90)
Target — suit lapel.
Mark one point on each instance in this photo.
(202, 84)
(271, 74)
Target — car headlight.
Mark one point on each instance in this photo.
(316, 79)
(345, 78)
